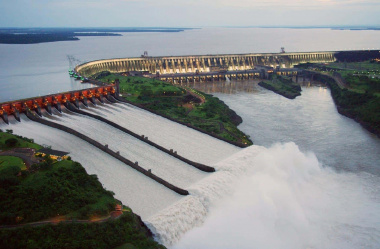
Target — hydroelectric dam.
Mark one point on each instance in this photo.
(165, 171)
(203, 63)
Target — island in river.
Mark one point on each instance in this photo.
(41, 35)
(282, 85)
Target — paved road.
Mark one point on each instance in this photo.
(55, 222)
(27, 157)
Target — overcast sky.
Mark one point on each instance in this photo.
(187, 13)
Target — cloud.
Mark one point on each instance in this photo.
(279, 3)
(294, 3)
(189, 12)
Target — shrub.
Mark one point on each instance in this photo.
(11, 142)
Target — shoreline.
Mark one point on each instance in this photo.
(273, 89)
(283, 86)
(349, 113)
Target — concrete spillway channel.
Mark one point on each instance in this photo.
(145, 196)
(189, 143)
(164, 165)
(179, 122)
(142, 138)
(107, 150)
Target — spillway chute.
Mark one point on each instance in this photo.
(4, 116)
(48, 108)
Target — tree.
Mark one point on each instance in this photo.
(11, 142)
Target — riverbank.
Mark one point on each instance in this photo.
(184, 105)
(54, 203)
(364, 108)
(283, 86)
(355, 88)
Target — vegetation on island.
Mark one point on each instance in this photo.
(41, 35)
(282, 85)
(358, 95)
(56, 204)
(35, 38)
(183, 104)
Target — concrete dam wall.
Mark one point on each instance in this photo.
(202, 63)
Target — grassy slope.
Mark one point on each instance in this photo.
(212, 116)
(8, 161)
(360, 76)
(22, 142)
(60, 189)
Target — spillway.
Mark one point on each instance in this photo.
(145, 196)
(171, 223)
(156, 204)
(187, 142)
(163, 165)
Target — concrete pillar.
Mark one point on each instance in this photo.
(4, 116)
(37, 108)
(16, 113)
(174, 68)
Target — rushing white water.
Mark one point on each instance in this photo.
(282, 198)
(187, 142)
(275, 197)
(163, 165)
(145, 196)
(142, 194)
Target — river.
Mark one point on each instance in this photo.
(310, 181)
(313, 184)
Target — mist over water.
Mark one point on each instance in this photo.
(286, 198)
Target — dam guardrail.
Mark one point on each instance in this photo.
(54, 100)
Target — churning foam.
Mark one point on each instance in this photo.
(274, 198)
